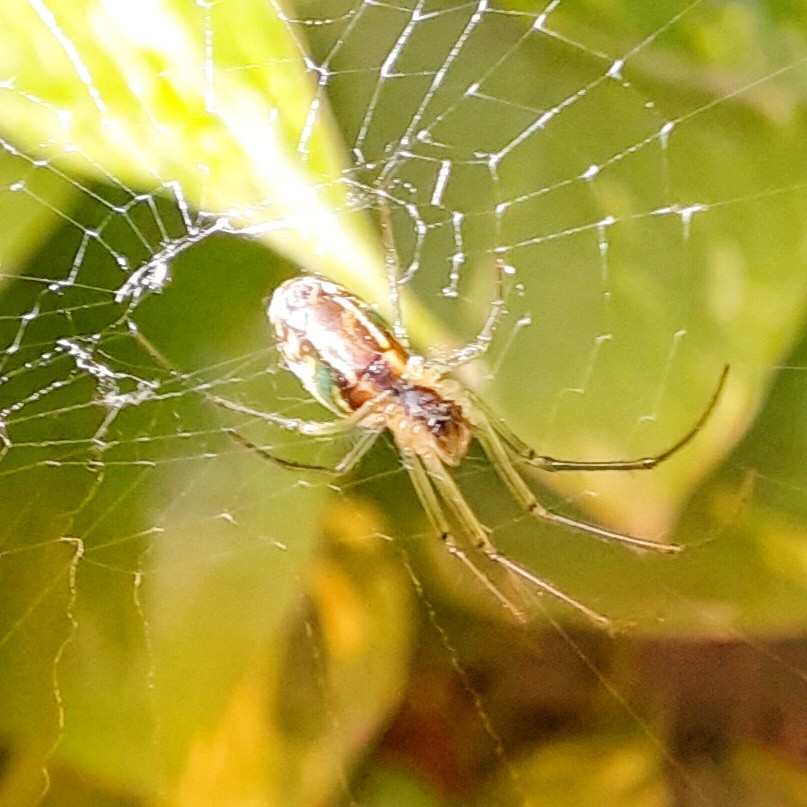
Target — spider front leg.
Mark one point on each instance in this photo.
(551, 464)
(494, 448)
(434, 511)
(433, 472)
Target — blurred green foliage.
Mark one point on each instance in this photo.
(184, 623)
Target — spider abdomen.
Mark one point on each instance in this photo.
(334, 343)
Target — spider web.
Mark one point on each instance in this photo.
(174, 606)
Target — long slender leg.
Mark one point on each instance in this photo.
(452, 495)
(524, 496)
(344, 466)
(479, 345)
(552, 464)
(310, 428)
(392, 265)
(431, 504)
(494, 448)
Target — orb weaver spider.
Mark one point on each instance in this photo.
(349, 361)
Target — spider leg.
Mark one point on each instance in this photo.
(310, 428)
(344, 466)
(392, 264)
(479, 345)
(495, 449)
(452, 495)
(431, 504)
(552, 464)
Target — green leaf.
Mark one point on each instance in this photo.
(155, 574)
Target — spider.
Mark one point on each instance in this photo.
(350, 362)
